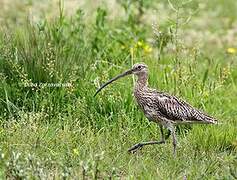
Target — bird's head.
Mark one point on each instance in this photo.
(137, 69)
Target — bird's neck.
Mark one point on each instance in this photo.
(142, 81)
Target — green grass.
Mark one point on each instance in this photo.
(64, 132)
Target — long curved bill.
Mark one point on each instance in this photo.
(113, 79)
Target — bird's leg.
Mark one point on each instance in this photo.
(168, 134)
(141, 144)
(163, 136)
(162, 133)
(174, 140)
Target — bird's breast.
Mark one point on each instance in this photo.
(146, 104)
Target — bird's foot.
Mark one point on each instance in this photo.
(136, 147)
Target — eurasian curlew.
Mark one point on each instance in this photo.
(159, 107)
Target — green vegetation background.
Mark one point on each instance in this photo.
(64, 132)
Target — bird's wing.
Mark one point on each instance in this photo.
(178, 110)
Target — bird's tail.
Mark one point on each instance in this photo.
(209, 119)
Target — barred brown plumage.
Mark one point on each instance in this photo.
(159, 107)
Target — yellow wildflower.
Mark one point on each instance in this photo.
(147, 49)
(140, 43)
(231, 50)
(75, 151)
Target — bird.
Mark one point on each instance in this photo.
(166, 110)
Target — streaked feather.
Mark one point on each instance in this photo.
(170, 107)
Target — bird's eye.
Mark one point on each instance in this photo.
(139, 67)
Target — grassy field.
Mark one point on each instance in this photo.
(53, 59)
